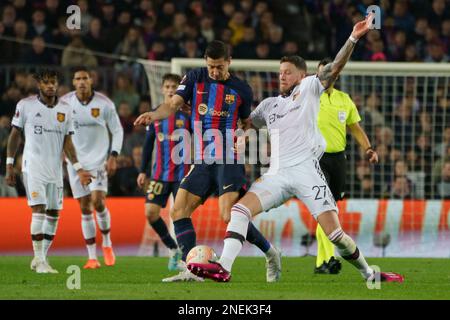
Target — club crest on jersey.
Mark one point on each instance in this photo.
(342, 115)
(202, 109)
(230, 98)
(160, 136)
(61, 117)
(34, 194)
(179, 123)
(95, 112)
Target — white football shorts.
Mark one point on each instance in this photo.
(43, 193)
(99, 183)
(305, 181)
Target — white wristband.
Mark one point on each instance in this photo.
(10, 160)
(77, 166)
(353, 39)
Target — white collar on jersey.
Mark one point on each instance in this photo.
(48, 106)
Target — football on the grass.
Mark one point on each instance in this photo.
(201, 254)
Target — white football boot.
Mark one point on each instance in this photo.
(273, 266)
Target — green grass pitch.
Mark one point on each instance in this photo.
(140, 278)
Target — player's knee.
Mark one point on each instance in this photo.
(86, 210)
(38, 209)
(225, 215)
(178, 213)
(99, 205)
(152, 215)
(53, 213)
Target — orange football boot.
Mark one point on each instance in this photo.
(92, 264)
(108, 255)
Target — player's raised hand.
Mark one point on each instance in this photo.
(372, 156)
(141, 180)
(85, 177)
(362, 27)
(111, 166)
(144, 119)
(10, 175)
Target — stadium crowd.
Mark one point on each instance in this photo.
(412, 31)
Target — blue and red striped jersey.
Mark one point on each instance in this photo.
(215, 105)
(167, 135)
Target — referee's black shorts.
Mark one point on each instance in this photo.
(334, 167)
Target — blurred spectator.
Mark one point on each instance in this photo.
(158, 51)
(132, 46)
(237, 26)
(403, 19)
(76, 54)
(125, 92)
(262, 50)
(38, 53)
(94, 38)
(443, 186)
(38, 27)
(290, 48)
(149, 33)
(8, 18)
(206, 27)
(86, 17)
(53, 11)
(436, 52)
(401, 188)
(124, 181)
(135, 139)
(246, 48)
(275, 41)
(62, 35)
(126, 117)
(441, 147)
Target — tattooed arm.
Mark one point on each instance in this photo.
(330, 72)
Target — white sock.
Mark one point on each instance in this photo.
(88, 226)
(104, 223)
(92, 251)
(238, 225)
(49, 228)
(89, 231)
(349, 251)
(37, 222)
(271, 252)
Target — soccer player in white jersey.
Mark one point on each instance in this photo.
(294, 164)
(46, 123)
(93, 115)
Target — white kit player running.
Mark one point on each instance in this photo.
(47, 126)
(296, 147)
(93, 115)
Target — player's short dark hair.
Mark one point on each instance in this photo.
(46, 74)
(324, 62)
(80, 69)
(297, 61)
(217, 49)
(171, 77)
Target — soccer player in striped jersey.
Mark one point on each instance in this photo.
(218, 99)
(47, 125)
(94, 117)
(165, 174)
(294, 164)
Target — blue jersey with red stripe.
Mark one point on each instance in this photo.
(168, 133)
(215, 105)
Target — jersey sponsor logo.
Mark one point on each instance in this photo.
(216, 113)
(202, 109)
(95, 112)
(37, 129)
(201, 92)
(342, 115)
(275, 116)
(61, 117)
(179, 123)
(230, 98)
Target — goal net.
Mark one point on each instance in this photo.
(394, 208)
